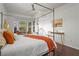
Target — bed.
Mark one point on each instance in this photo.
(25, 46)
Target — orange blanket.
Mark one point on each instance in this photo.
(49, 41)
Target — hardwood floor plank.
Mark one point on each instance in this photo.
(66, 51)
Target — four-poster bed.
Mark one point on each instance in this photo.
(44, 45)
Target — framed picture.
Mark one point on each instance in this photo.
(58, 22)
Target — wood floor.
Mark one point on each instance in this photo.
(66, 51)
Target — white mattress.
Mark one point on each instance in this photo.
(24, 47)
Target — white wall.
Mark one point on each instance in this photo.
(70, 15)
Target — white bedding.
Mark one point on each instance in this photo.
(24, 47)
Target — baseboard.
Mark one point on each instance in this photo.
(67, 46)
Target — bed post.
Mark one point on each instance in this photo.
(53, 29)
(1, 20)
(54, 52)
(53, 23)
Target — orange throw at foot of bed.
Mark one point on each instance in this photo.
(51, 44)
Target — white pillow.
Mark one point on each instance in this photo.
(17, 37)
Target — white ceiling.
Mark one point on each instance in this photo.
(26, 8)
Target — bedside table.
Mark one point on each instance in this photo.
(0, 50)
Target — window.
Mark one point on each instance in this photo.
(22, 26)
(33, 26)
(29, 27)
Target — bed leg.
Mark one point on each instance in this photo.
(53, 52)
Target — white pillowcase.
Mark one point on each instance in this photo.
(17, 37)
